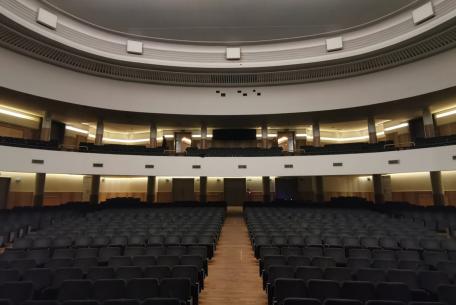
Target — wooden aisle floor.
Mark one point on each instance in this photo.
(233, 271)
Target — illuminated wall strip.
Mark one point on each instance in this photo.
(445, 114)
(17, 114)
(75, 129)
(396, 127)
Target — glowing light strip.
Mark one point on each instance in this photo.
(17, 114)
(396, 127)
(75, 129)
(124, 141)
(445, 114)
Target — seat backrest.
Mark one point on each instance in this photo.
(168, 260)
(157, 272)
(358, 263)
(323, 262)
(407, 277)
(185, 271)
(289, 288)
(342, 302)
(129, 272)
(393, 292)
(119, 261)
(75, 290)
(17, 292)
(359, 253)
(176, 250)
(312, 252)
(358, 290)
(371, 275)
(98, 273)
(134, 251)
(297, 261)
(63, 274)
(144, 260)
(338, 274)
(323, 289)
(40, 277)
(447, 294)
(178, 288)
(142, 289)
(161, 301)
(156, 251)
(9, 275)
(430, 280)
(109, 289)
(275, 272)
(301, 301)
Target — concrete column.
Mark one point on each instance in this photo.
(428, 123)
(38, 195)
(379, 196)
(316, 133)
(372, 129)
(99, 133)
(266, 189)
(203, 136)
(203, 189)
(150, 189)
(264, 136)
(153, 136)
(95, 189)
(46, 123)
(437, 188)
(319, 189)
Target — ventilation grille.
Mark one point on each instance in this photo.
(13, 39)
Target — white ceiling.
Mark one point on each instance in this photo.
(229, 21)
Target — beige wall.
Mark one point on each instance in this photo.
(413, 187)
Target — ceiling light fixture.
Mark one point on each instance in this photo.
(17, 114)
(396, 127)
(445, 114)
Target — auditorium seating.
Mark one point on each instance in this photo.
(348, 148)
(310, 255)
(28, 143)
(234, 152)
(121, 149)
(138, 255)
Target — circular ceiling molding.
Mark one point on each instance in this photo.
(229, 21)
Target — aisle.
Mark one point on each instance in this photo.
(233, 272)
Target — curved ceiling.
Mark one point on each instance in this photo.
(229, 21)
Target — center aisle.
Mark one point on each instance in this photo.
(233, 271)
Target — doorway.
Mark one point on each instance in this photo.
(183, 189)
(4, 191)
(235, 191)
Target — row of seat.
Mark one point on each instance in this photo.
(355, 290)
(427, 281)
(311, 301)
(103, 290)
(149, 301)
(338, 256)
(322, 251)
(43, 278)
(368, 243)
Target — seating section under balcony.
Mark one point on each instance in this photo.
(234, 152)
(121, 149)
(133, 256)
(349, 256)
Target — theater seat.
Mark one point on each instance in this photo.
(301, 301)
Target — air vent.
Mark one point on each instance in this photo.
(98, 165)
(196, 166)
(36, 161)
(338, 164)
(393, 162)
(149, 166)
(288, 166)
(441, 40)
(242, 166)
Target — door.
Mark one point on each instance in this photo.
(4, 191)
(183, 189)
(286, 188)
(234, 190)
